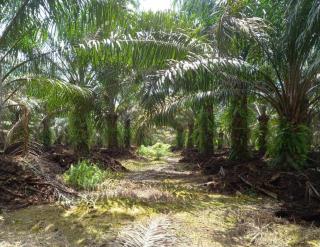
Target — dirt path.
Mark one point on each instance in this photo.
(169, 169)
(152, 190)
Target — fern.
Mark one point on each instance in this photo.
(157, 233)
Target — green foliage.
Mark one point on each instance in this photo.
(290, 146)
(91, 54)
(157, 151)
(85, 175)
(255, 54)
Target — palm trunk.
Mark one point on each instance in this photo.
(127, 133)
(190, 135)
(26, 130)
(179, 138)
(293, 140)
(263, 120)
(79, 131)
(46, 133)
(3, 134)
(20, 131)
(112, 130)
(239, 128)
(210, 135)
(292, 145)
(206, 131)
(220, 140)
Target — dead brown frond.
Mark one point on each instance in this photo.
(158, 232)
(256, 227)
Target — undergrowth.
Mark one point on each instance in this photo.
(87, 176)
(156, 152)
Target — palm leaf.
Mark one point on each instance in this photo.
(156, 233)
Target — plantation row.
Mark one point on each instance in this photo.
(195, 126)
(242, 75)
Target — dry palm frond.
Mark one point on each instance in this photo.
(157, 233)
(20, 130)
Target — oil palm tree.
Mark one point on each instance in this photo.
(115, 84)
(286, 75)
(121, 55)
(193, 111)
(23, 51)
(78, 66)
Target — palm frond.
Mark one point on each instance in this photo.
(253, 28)
(149, 49)
(215, 70)
(53, 91)
(157, 233)
(19, 132)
